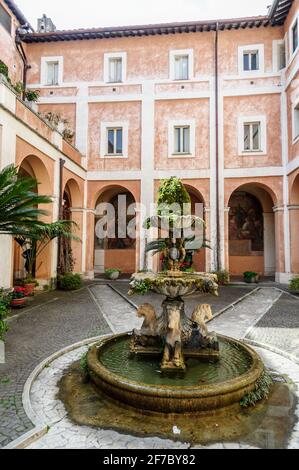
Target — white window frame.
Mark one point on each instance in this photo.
(44, 69)
(105, 126)
(248, 120)
(171, 136)
(181, 52)
(276, 56)
(115, 55)
(295, 134)
(247, 49)
(291, 52)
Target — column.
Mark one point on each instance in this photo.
(7, 157)
(147, 166)
(280, 274)
(294, 230)
(269, 244)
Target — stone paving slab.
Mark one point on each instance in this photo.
(236, 321)
(119, 315)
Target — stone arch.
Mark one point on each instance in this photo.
(200, 258)
(252, 230)
(73, 190)
(294, 223)
(120, 250)
(33, 166)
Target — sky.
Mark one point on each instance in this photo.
(70, 14)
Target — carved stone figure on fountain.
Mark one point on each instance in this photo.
(173, 356)
(202, 343)
(146, 340)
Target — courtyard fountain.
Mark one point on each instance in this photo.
(173, 364)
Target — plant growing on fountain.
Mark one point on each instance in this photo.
(260, 392)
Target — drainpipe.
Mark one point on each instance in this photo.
(60, 211)
(218, 260)
(26, 67)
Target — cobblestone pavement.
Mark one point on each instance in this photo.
(280, 326)
(65, 319)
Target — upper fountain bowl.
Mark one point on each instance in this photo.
(174, 285)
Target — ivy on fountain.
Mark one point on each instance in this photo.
(261, 391)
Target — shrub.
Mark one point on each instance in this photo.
(294, 284)
(70, 282)
(223, 277)
(5, 300)
(4, 69)
(32, 95)
(249, 275)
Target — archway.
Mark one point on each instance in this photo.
(294, 224)
(33, 167)
(115, 240)
(197, 208)
(71, 250)
(251, 231)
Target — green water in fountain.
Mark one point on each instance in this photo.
(233, 362)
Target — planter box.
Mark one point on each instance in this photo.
(113, 276)
(29, 288)
(18, 303)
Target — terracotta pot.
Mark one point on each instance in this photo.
(18, 303)
(29, 288)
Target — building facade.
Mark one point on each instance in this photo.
(213, 103)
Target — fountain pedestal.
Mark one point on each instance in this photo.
(172, 334)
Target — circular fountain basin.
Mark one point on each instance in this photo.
(138, 382)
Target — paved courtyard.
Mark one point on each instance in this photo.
(265, 316)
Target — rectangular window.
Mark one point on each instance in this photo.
(52, 73)
(181, 67)
(281, 52)
(295, 36)
(296, 122)
(250, 61)
(182, 140)
(5, 19)
(115, 141)
(252, 137)
(115, 70)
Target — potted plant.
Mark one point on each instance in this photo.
(18, 297)
(29, 285)
(294, 285)
(32, 97)
(251, 277)
(113, 274)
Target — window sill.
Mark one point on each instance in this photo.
(252, 153)
(181, 155)
(114, 156)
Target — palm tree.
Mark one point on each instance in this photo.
(40, 237)
(19, 202)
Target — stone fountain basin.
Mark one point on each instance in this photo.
(180, 285)
(173, 399)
